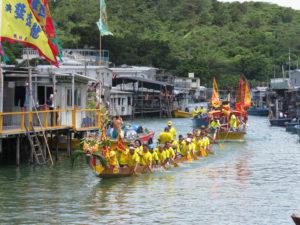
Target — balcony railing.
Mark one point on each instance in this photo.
(76, 119)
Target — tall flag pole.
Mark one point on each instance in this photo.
(102, 24)
(18, 24)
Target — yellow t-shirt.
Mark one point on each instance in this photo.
(181, 148)
(173, 132)
(171, 153)
(215, 124)
(206, 141)
(162, 156)
(123, 157)
(165, 137)
(146, 159)
(233, 122)
(133, 159)
(198, 144)
(139, 150)
(155, 156)
(113, 160)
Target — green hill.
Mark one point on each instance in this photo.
(206, 37)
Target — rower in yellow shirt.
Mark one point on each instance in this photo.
(172, 130)
(133, 159)
(190, 149)
(169, 148)
(197, 142)
(162, 155)
(155, 159)
(181, 146)
(113, 161)
(122, 157)
(146, 159)
(138, 146)
(165, 136)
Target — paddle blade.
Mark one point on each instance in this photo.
(221, 146)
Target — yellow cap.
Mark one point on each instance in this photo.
(170, 123)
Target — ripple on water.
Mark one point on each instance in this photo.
(255, 182)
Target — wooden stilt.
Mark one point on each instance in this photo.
(18, 151)
(56, 145)
(1, 148)
(69, 143)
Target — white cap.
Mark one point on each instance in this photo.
(189, 139)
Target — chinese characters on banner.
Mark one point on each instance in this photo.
(20, 24)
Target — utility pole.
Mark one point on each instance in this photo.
(289, 62)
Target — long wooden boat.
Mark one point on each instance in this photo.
(296, 219)
(279, 122)
(181, 114)
(111, 172)
(258, 111)
(238, 136)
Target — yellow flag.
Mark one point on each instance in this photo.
(18, 23)
(215, 99)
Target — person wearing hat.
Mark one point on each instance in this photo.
(165, 136)
(133, 159)
(172, 130)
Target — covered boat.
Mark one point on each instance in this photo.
(257, 111)
(279, 122)
(181, 114)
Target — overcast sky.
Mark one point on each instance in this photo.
(288, 3)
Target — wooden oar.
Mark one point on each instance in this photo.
(220, 144)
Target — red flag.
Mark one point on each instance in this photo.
(41, 11)
(18, 24)
(121, 145)
(215, 99)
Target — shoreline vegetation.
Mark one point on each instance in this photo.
(207, 37)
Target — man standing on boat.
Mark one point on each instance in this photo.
(172, 130)
(233, 123)
(165, 136)
(214, 127)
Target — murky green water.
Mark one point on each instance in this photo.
(256, 182)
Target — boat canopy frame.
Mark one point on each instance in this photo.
(144, 83)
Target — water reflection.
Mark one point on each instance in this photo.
(256, 182)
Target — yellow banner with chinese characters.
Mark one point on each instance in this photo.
(19, 24)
